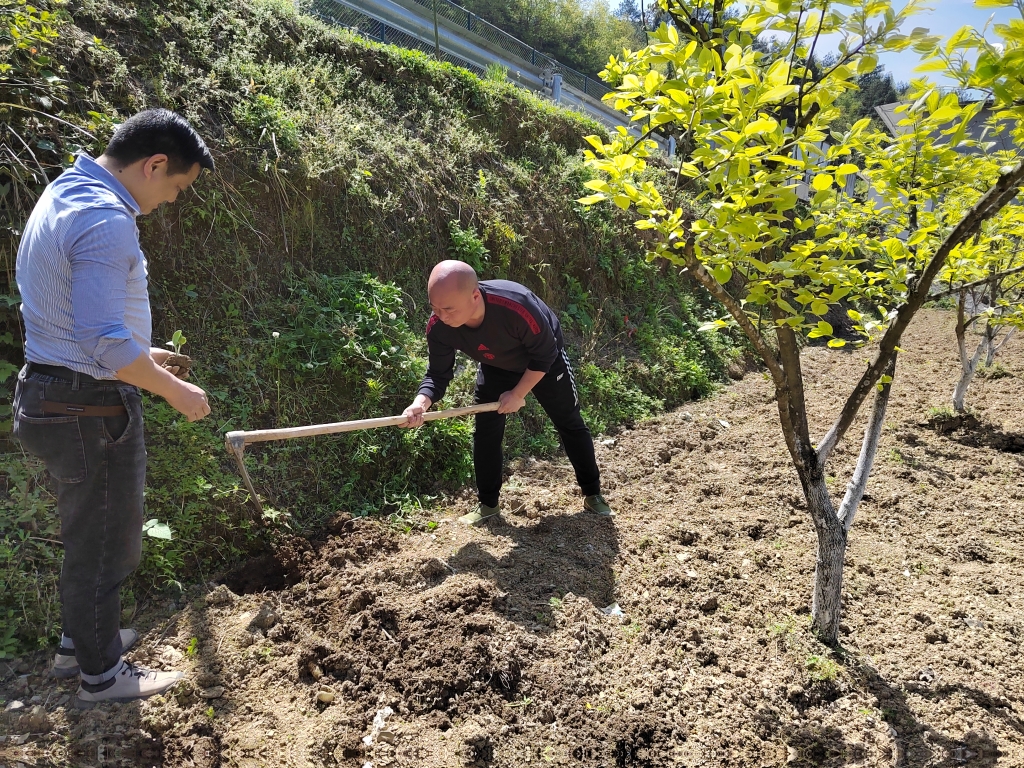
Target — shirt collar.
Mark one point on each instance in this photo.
(88, 166)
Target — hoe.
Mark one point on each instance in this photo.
(236, 441)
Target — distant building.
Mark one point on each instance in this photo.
(976, 129)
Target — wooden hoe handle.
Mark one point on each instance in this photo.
(237, 440)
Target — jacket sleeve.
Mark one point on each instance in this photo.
(440, 366)
(540, 343)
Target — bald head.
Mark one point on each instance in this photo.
(452, 276)
(453, 290)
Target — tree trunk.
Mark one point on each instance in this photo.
(967, 370)
(869, 448)
(826, 605)
(994, 348)
(968, 365)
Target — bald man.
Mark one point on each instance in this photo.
(517, 342)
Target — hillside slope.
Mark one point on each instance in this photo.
(345, 171)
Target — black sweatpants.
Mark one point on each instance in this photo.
(556, 393)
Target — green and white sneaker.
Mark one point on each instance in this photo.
(597, 505)
(65, 665)
(478, 515)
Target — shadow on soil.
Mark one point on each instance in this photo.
(557, 555)
(917, 743)
(969, 431)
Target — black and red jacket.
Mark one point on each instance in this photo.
(519, 333)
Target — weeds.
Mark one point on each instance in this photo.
(821, 669)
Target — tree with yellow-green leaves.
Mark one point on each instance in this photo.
(989, 289)
(734, 217)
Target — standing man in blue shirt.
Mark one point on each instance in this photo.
(77, 404)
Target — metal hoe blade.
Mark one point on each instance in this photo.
(235, 443)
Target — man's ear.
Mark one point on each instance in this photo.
(152, 163)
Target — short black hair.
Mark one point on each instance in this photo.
(159, 132)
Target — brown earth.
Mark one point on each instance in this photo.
(489, 648)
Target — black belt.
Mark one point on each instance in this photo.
(75, 409)
(60, 372)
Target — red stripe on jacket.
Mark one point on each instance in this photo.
(516, 307)
(430, 323)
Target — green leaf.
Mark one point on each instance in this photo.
(822, 181)
(591, 199)
(778, 93)
(157, 530)
(722, 273)
(821, 329)
(836, 343)
(713, 325)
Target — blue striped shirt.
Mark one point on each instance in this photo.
(82, 275)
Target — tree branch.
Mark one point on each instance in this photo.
(869, 449)
(794, 415)
(1001, 194)
(984, 281)
(690, 21)
(734, 308)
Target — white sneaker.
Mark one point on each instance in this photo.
(65, 665)
(128, 684)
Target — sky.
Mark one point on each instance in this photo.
(945, 18)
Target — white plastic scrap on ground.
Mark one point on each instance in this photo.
(612, 610)
(379, 721)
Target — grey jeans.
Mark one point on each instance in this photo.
(99, 463)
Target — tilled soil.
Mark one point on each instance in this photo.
(441, 645)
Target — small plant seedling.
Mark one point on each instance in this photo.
(177, 341)
(432, 525)
(192, 647)
(210, 713)
(941, 414)
(822, 668)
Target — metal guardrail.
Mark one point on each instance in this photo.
(375, 29)
(408, 24)
(512, 45)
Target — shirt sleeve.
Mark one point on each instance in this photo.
(440, 367)
(541, 345)
(102, 256)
